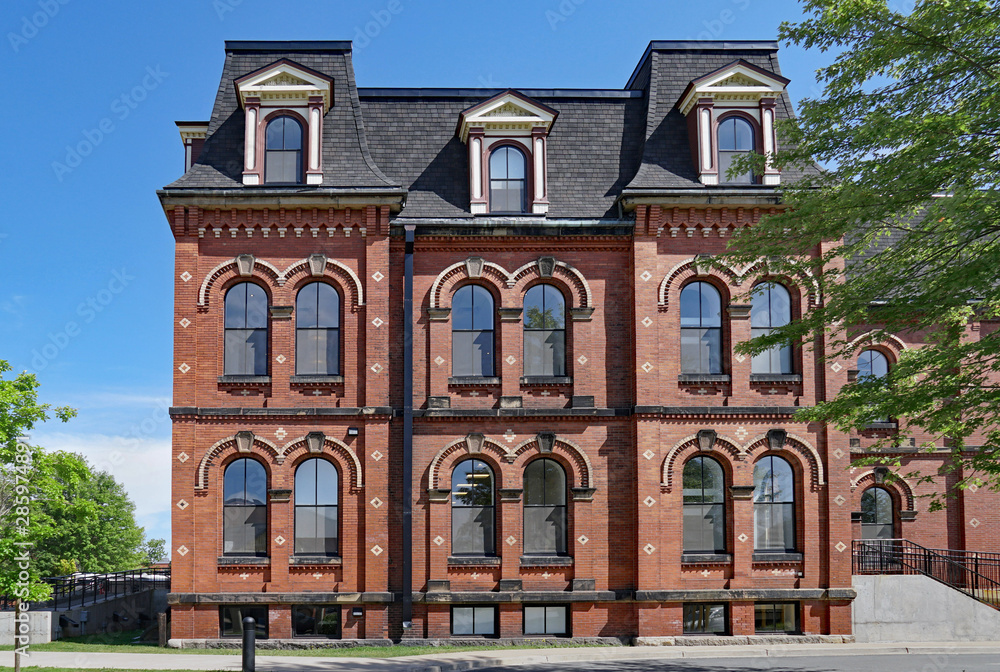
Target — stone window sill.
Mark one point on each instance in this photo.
(767, 558)
(245, 381)
(881, 425)
(699, 378)
(314, 560)
(243, 560)
(316, 380)
(473, 381)
(775, 378)
(546, 561)
(473, 561)
(706, 558)
(549, 381)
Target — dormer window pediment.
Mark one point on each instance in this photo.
(514, 128)
(286, 94)
(736, 98)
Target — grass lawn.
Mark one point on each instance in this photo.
(122, 642)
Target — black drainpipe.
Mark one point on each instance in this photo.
(408, 430)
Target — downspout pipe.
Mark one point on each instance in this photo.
(407, 533)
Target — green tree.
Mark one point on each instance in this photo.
(153, 551)
(909, 124)
(27, 479)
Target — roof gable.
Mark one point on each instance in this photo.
(738, 80)
(285, 80)
(509, 110)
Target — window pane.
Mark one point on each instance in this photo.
(307, 348)
(781, 306)
(713, 481)
(231, 620)
(783, 480)
(328, 312)
(461, 353)
(484, 618)
(691, 350)
(326, 483)
(293, 134)
(744, 135)
(236, 306)
(872, 364)
(306, 535)
(692, 481)
(472, 530)
(555, 621)
(276, 134)
(725, 161)
(472, 484)
(305, 306)
(329, 363)
(544, 530)
(534, 483)
(461, 620)
(305, 483)
(760, 306)
(711, 305)
(461, 308)
(555, 482)
(256, 483)
(535, 358)
(482, 308)
(328, 530)
(482, 353)
(691, 306)
(515, 164)
(534, 308)
(234, 479)
(498, 163)
(883, 503)
(534, 620)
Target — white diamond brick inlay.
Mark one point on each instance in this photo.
(183, 457)
(649, 454)
(182, 504)
(583, 540)
(376, 367)
(377, 550)
(377, 276)
(377, 456)
(279, 540)
(510, 360)
(741, 358)
(645, 275)
(840, 500)
(646, 321)
(509, 435)
(647, 367)
(281, 433)
(438, 540)
(378, 322)
(185, 323)
(839, 453)
(840, 546)
(743, 538)
(182, 551)
(184, 368)
(973, 488)
(742, 433)
(836, 367)
(649, 501)
(185, 276)
(280, 359)
(582, 359)
(974, 523)
(439, 360)
(377, 502)
(649, 548)
(511, 540)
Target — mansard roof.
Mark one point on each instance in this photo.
(607, 142)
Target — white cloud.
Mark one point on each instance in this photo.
(141, 464)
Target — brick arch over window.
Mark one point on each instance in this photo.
(797, 444)
(472, 446)
(229, 445)
(335, 445)
(694, 269)
(473, 268)
(865, 341)
(548, 268)
(564, 448)
(901, 487)
(669, 462)
(320, 266)
(807, 284)
(244, 266)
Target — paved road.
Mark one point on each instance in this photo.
(913, 662)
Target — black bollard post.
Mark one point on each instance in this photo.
(249, 644)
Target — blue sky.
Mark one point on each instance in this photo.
(86, 298)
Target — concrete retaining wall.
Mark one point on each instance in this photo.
(39, 627)
(919, 609)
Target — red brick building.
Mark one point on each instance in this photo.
(452, 362)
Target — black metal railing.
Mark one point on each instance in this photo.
(80, 590)
(975, 574)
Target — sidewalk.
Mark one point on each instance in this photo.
(471, 660)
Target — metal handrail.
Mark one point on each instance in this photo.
(81, 590)
(965, 571)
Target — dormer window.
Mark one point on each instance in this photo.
(508, 180)
(735, 139)
(507, 137)
(283, 151)
(284, 105)
(731, 111)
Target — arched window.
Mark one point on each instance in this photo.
(878, 514)
(872, 364)
(244, 515)
(771, 307)
(472, 516)
(704, 506)
(773, 505)
(317, 330)
(283, 151)
(316, 500)
(472, 332)
(508, 180)
(735, 138)
(701, 329)
(544, 332)
(246, 331)
(544, 508)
